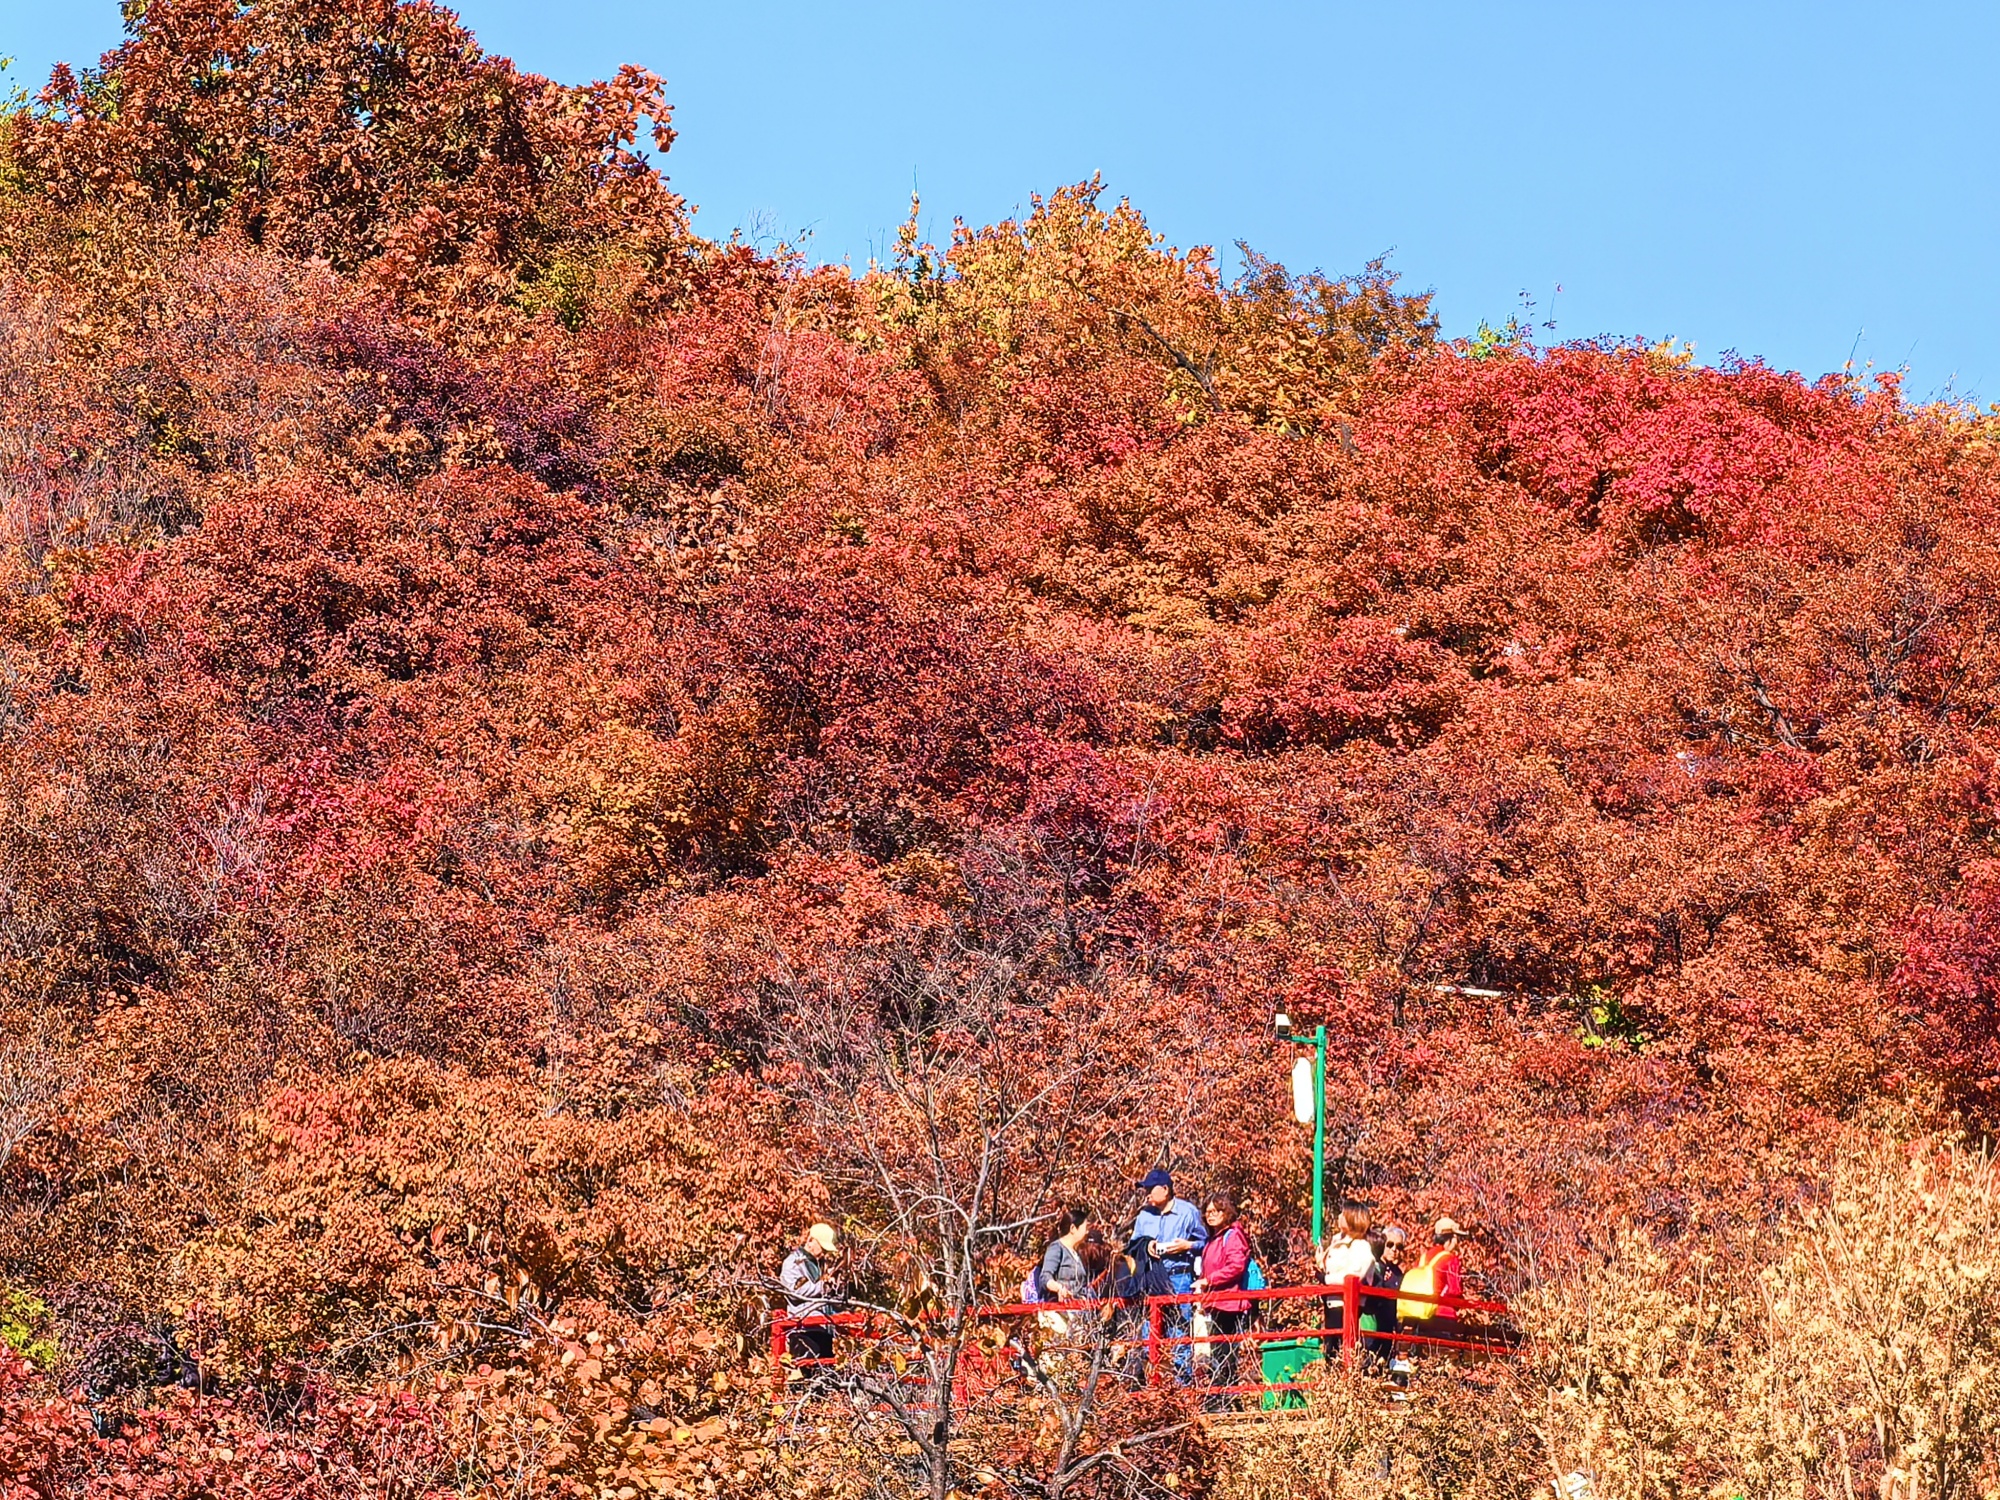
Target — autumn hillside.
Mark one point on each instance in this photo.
(521, 729)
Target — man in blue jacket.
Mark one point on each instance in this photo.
(1175, 1233)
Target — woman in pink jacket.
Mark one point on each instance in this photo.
(1225, 1261)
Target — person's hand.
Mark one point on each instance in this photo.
(1201, 1283)
(1153, 1248)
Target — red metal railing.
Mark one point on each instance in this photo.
(1351, 1297)
(1443, 1330)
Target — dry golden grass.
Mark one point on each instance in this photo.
(1853, 1353)
(1458, 1436)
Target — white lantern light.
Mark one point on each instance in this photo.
(1302, 1090)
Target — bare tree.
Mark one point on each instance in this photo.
(34, 1072)
(950, 1102)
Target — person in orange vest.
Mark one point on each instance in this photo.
(1440, 1273)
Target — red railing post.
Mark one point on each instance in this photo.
(1155, 1321)
(1350, 1317)
(778, 1331)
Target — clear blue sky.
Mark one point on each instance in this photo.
(1790, 180)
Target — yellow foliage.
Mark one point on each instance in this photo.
(1073, 281)
(1857, 1352)
(633, 806)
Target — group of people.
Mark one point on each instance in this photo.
(1379, 1258)
(1176, 1247)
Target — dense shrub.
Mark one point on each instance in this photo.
(539, 754)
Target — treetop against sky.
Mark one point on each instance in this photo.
(1794, 181)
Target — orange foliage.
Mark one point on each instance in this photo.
(481, 670)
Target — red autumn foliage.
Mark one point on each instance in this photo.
(487, 678)
(1949, 981)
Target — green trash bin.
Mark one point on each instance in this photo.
(1284, 1360)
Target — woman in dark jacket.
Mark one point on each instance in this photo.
(1378, 1314)
(1136, 1274)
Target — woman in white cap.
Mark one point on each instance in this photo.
(809, 1283)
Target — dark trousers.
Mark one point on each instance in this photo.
(1336, 1311)
(1435, 1328)
(809, 1344)
(1379, 1349)
(1378, 1317)
(1228, 1358)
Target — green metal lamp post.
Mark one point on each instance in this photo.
(1283, 1026)
(1319, 1136)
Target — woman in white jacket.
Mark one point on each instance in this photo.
(1346, 1253)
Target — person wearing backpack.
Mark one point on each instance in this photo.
(1438, 1273)
(1224, 1266)
(1062, 1277)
